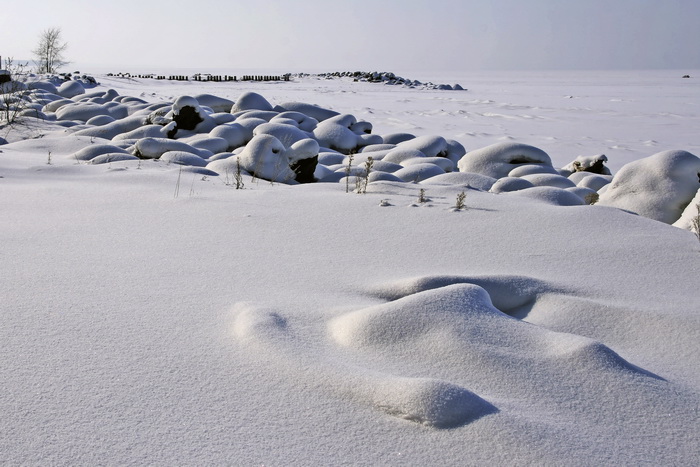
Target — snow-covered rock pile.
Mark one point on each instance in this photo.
(388, 78)
(296, 142)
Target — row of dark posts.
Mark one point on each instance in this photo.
(214, 78)
(265, 78)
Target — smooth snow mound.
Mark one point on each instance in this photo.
(428, 401)
(498, 160)
(659, 187)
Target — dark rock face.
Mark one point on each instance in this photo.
(304, 169)
(598, 168)
(187, 118)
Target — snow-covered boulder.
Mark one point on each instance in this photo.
(594, 164)
(545, 179)
(153, 148)
(234, 133)
(343, 133)
(508, 184)
(301, 121)
(250, 123)
(383, 166)
(586, 194)
(43, 85)
(383, 177)
(189, 116)
(266, 115)
(250, 101)
(435, 146)
(498, 160)
(313, 111)
(444, 163)
(33, 113)
(303, 159)
(146, 131)
(658, 187)
(84, 111)
(227, 166)
(332, 158)
(90, 152)
(396, 138)
(398, 155)
(221, 118)
(465, 179)
(590, 180)
(551, 195)
(112, 157)
(70, 89)
(418, 172)
(265, 157)
(56, 104)
(385, 148)
(182, 158)
(529, 169)
(112, 130)
(99, 120)
(287, 134)
(214, 144)
(217, 104)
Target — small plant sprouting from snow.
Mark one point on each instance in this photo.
(695, 222)
(459, 204)
(362, 181)
(177, 185)
(238, 177)
(348, 170)
(421, 196)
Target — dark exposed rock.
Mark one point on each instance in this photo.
(304, 169)
(187, 118)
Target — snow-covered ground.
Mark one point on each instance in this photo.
(153, 314)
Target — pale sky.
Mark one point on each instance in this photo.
(384, 35)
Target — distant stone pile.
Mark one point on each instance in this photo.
(385, 78)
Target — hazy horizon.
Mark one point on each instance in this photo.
(442, 35)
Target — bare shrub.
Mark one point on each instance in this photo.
(13, 93)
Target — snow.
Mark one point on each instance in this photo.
(658, 187)
(154, 314)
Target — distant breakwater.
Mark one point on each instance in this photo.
(384, 77)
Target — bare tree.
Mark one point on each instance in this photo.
(14, 94)
(48, 53)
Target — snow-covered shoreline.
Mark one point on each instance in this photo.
(158, 315)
